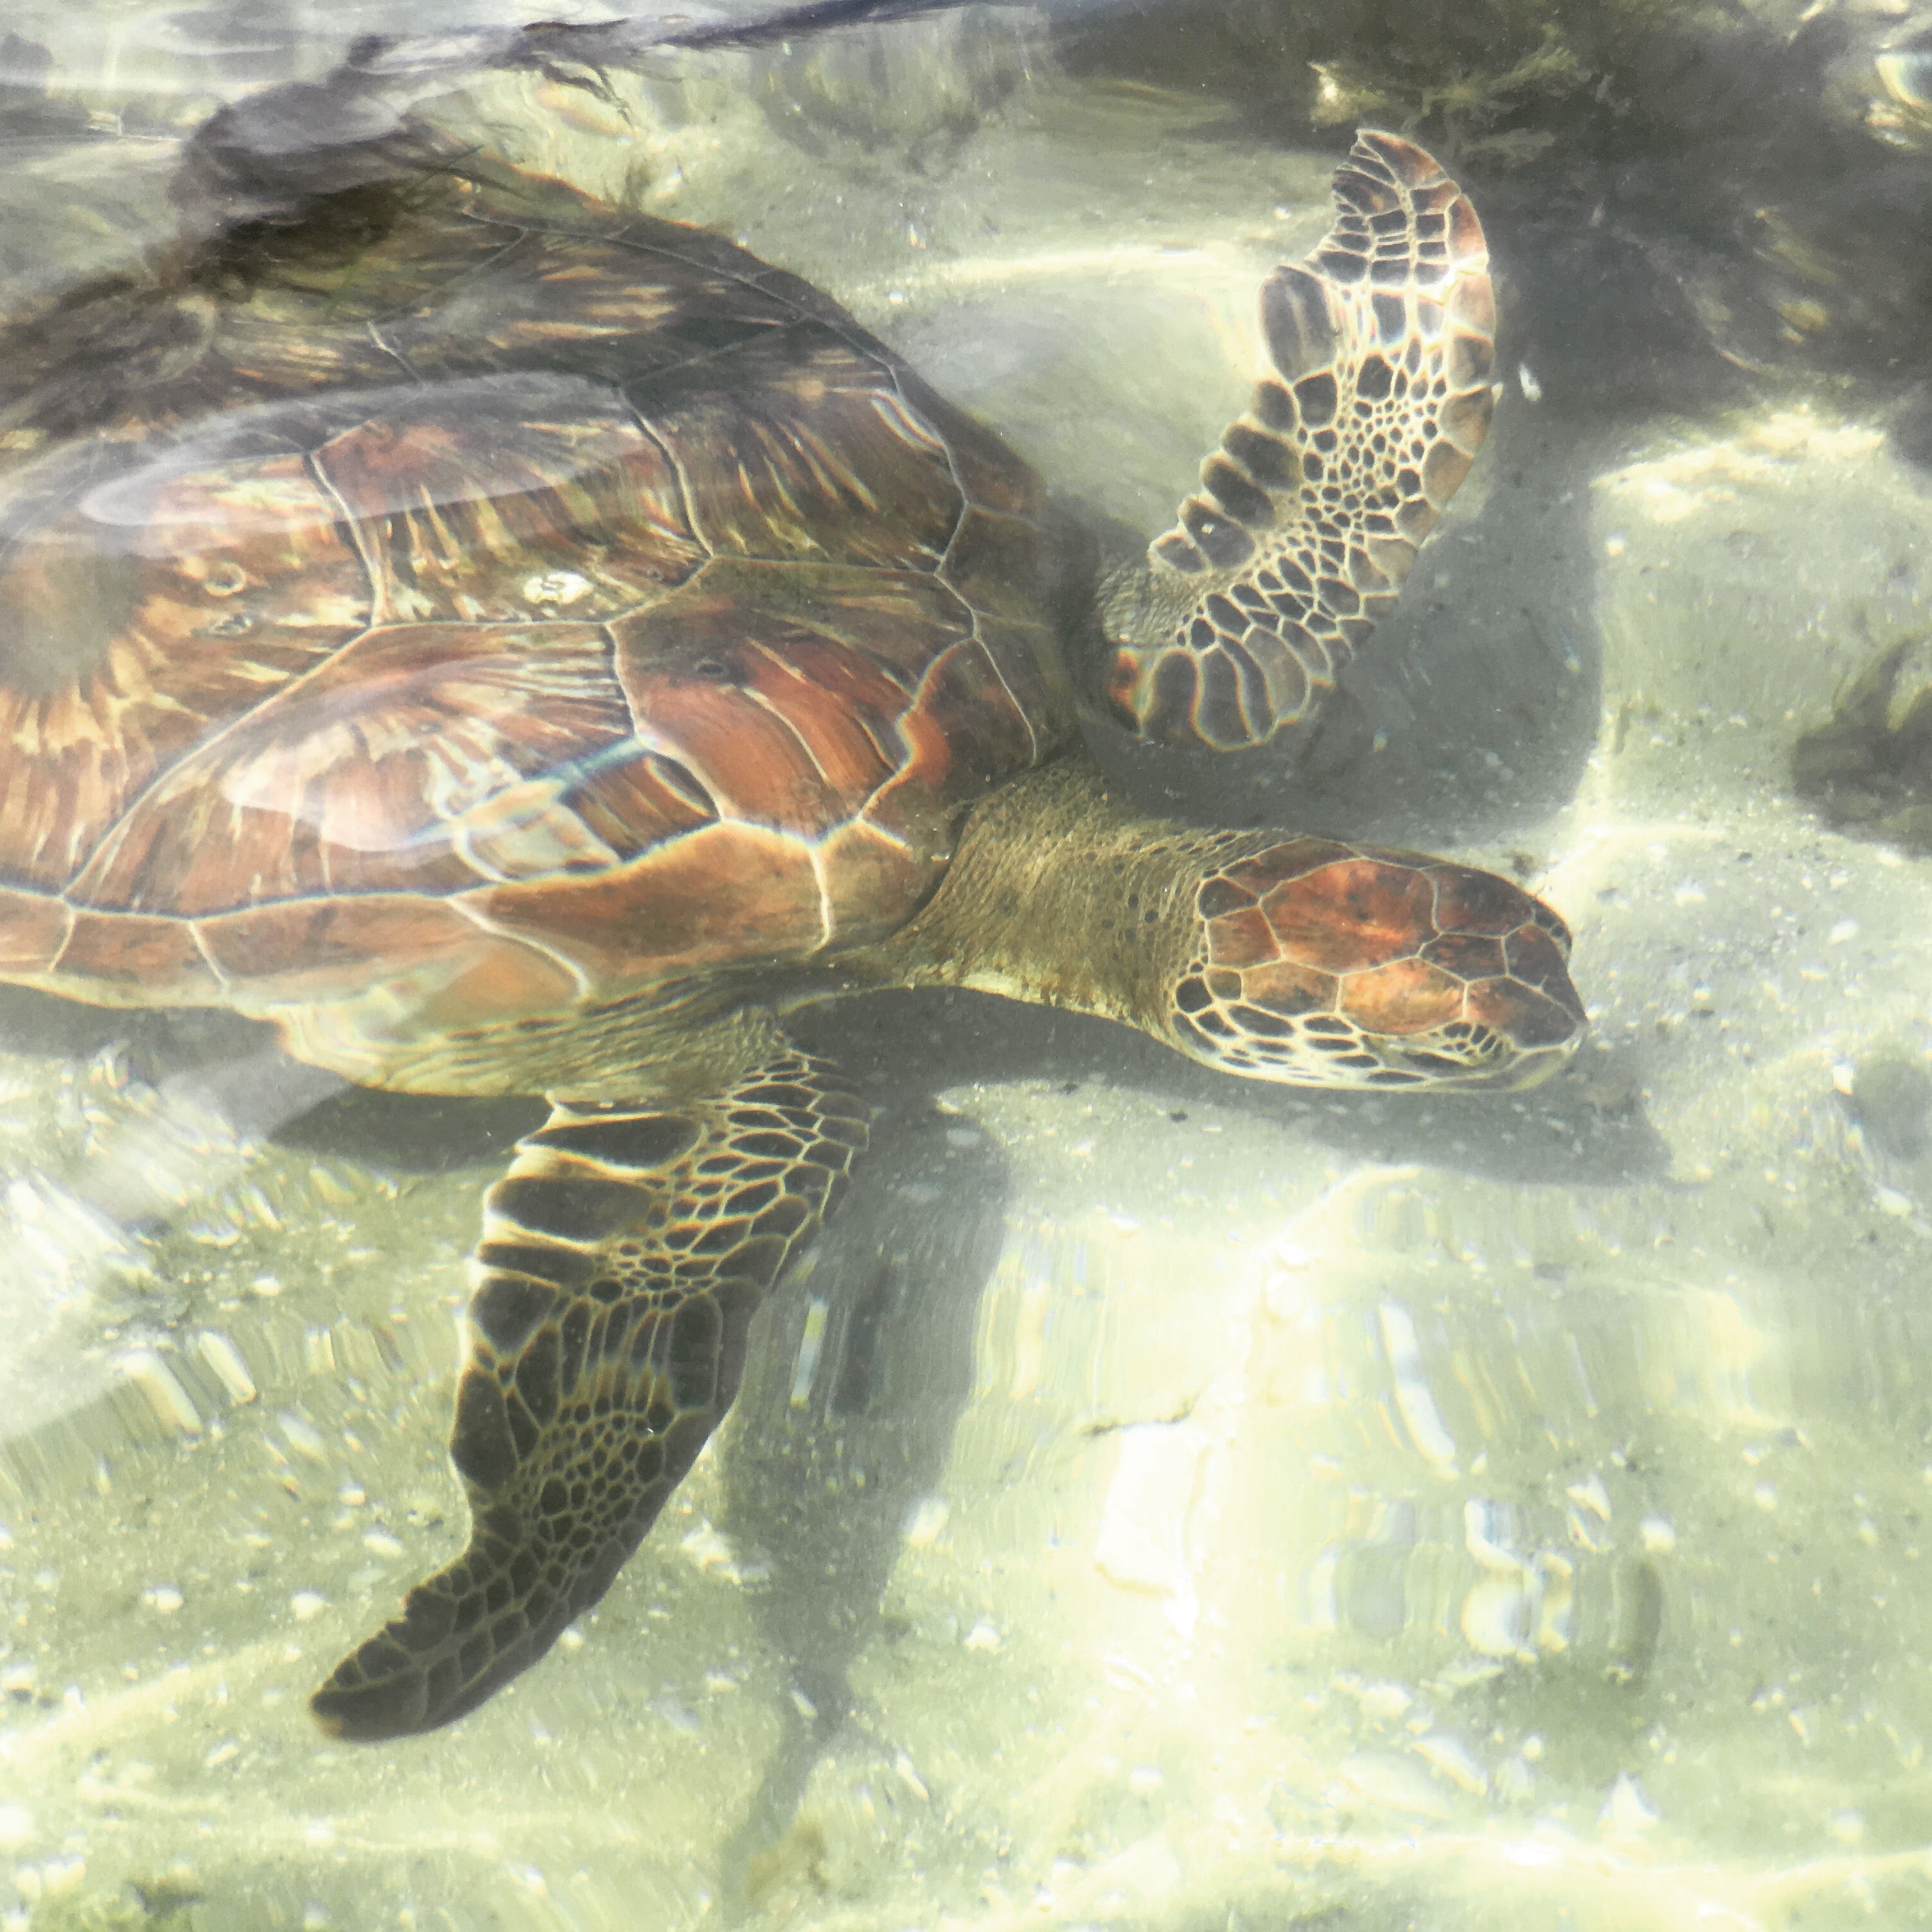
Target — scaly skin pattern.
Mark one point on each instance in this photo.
(622, 1257)
(1374, 400)
(1306, 960)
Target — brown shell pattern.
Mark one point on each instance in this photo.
(522, 615)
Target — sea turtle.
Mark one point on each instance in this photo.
(519, 646)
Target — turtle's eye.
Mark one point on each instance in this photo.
(1552, 924)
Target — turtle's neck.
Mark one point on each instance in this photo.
(1058, 896)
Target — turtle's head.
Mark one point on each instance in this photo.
(1344, 966)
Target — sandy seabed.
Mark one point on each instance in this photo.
(1161, 1504)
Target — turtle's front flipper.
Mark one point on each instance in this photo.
(622, 1258)
(1375, 397)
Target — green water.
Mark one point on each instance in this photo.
(1161, 1504)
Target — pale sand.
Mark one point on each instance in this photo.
(1208, 1506)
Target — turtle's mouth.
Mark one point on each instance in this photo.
(1502, 1066)
(1540, 1064)
(1474, 1057)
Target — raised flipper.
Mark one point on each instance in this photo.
(622, 1256)
(1374, 398)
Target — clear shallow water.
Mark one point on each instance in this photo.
(1164, 1503)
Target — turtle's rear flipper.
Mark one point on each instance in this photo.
(1374, 396)
(622, 1258)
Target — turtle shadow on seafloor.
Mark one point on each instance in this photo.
(1469, 715)
(1567, 1133)
(858, 1373)
(855, 1377)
